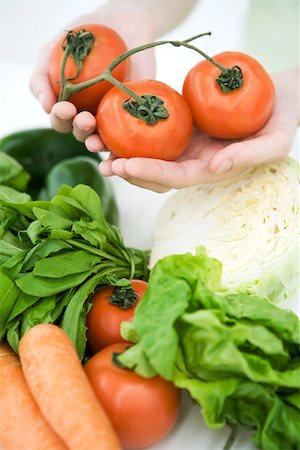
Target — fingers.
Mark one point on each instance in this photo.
(62, 116)
(40, 84)
(170, 174)
(116, 166)
(164, 175)
(84, 125)
(64, 119)
(94, 144)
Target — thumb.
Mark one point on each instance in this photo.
(244, 154)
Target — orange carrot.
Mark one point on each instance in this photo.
(62, 391)
(22, 426)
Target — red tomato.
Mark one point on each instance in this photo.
(237, 114)
(127, 136)
(142, 410)
(104, 319)
(107, 46)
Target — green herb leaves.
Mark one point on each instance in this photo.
(53, 254)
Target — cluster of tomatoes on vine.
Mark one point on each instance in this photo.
(230, 96)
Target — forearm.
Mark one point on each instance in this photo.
(162, 15)
(288, 86)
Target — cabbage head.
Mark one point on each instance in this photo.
(249, 223)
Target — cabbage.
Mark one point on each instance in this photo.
(249, 223)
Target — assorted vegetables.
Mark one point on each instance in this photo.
(238, 355)
(250, 224)
(229, 96)
(203, 322)
(53, 255)
(44, 160)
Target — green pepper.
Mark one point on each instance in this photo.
(38, 150)
(50, 159)
(12, 174)
(81, 170)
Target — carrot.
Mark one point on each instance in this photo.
(22, 426)
(62, 390)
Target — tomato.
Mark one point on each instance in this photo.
(107, 46)
(237, 114)
(128, 136)
(104, 319)
(142, 410)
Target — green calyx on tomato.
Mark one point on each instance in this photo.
(124, 298)
(230, 79)
(78, 44)
(151, 111)
(116, 362)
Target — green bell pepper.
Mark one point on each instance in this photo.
(12, 174)
(81, 170)
(52, 159)
(38, 150)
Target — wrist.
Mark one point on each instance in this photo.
(287, 85)
(130, 19)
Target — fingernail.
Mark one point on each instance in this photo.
(224, 166)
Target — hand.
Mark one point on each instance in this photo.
(207, 160)
(63, 115)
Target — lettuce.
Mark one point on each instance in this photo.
(237, 354)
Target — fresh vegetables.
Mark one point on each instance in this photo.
(238, 355)
(231, 97)
(132, 136)
(53, 255)
(142, 411)
(60, 387)
(229, 106)
(37, 151)
(51, 160)
(111, 306)
(249, 223)
(91, 48)
(22, 425)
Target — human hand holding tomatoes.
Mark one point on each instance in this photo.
(142, 410)
(111, 306)
(64, 116)
(206, 159)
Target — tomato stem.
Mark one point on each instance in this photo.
(78, 45)
(229, 79)
(108, 77)
(68, 89)
(122, 297)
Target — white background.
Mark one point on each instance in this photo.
(25, 26)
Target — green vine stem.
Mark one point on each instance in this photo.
(232, 438)
(68, 89)
(148, 108)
